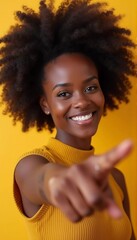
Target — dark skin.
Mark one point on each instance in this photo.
(72, 95)
(72, 89)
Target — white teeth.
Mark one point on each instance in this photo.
(82, 118)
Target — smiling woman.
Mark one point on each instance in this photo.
(64, 69)
(73, 97)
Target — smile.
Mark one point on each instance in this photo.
(82, 118)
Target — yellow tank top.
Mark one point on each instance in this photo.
(49, 223)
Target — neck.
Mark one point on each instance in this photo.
(79, 143)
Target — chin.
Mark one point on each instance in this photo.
(85, 135)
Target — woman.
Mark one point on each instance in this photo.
(64, 69)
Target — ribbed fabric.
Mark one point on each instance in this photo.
(49, 223)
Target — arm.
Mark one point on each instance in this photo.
(31, 175)
(119, 177)
(77, 190)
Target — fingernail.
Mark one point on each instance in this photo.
(115, 212)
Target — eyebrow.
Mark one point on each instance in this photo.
(69, 84)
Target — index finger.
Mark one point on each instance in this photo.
(103, 164)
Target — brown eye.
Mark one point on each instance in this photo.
(63, 94)
(91, 89)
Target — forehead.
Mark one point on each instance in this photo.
(70, 66)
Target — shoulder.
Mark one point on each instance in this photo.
(32, 159)
(27, 174)
(119, 178)
(41, 151)
(27, 165)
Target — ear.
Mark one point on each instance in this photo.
(44, 105)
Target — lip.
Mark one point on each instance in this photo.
(83, 122)
(82, 114)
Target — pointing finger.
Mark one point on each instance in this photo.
(103, 164)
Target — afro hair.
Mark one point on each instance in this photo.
(38, 37)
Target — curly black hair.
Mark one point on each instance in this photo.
(37, 38)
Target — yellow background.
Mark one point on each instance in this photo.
(115, 127)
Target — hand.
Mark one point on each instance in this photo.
(81, 189)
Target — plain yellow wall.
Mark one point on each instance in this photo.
(113, 128)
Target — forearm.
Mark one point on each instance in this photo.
(48, 171)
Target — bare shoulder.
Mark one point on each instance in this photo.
(120, 179)
(27, 165)
(28, 177)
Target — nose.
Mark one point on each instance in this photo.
(81, 101)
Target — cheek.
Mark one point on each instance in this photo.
(58, 109)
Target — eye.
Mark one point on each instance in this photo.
(63, 94)
(92, 88)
